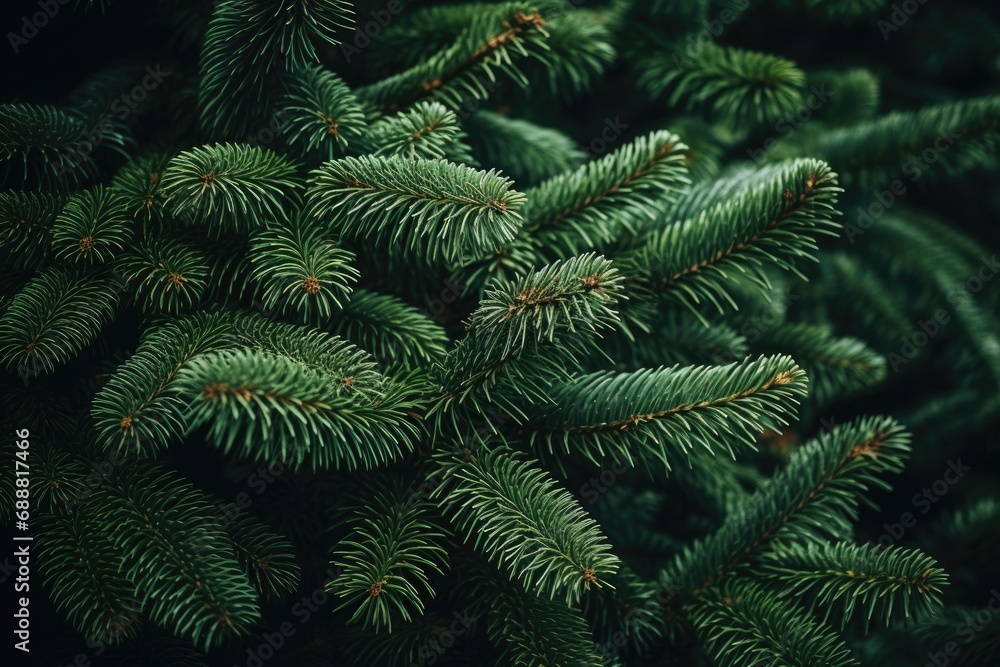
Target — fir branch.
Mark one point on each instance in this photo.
(532, 630)
(300, 273)
(229, 187)
(267, 558)
(549, 317)
(435, 210)
(395, 333)
(650, 415)
(320, 114)
(140, 408)
(527, 152)
(527, 525)
(261, 40)
(744, 626)
(862, 579)
(92, 228)
(836, 366)
(51, 320)
(770, 222)
(83, 571)
(138, 182)
(812, 498)
(26, 221)
(175, 555)
(387, 559)
(745, 86)
(269, 406)
(168, 275)
(427, 130)
(603, 200)
(497, 38)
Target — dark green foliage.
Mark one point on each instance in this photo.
(300, 272)
(266, 558)
(524, 523)
(770, 219)
(396, 334)
(261, 40)
(866, 579)
(93, 228)
(569, 213)
(176, 555)
(141, 406)
(319, 114)
(229, 187)
(494, 42)
(315, 399)
(393, 547)
(168, 275)
(546, 319)
(740, 85)
(50, 144)
(427, 130)
(835, 366)
(55, 316)
(657, 415)
(26, 221)
(526, 152)
(466, 333)
(139, 182)
(743, 627)
(433, 209)
(83, 572)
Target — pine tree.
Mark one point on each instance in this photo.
(338, 347)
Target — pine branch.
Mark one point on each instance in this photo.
(229, 187)
(395, 333)
(26, 221)
(300, 397)
(745, 626)
(526, 152)
(267, 559)
(435, 210)
(168, 275)
(51, 320)
(772, 221)
(262, 41)
(92, 228)
(605, 199)
(812, 498)
(545, 321)
(320, 115)
(652, 415)
(836, 366)
(141, 406)
(427, 130)
(873, 153)
(300, 273)
(387, 558)
(175, 555)
(83, 572)
(138, 182)
(54, 146)
(532, 630)
(497, 39)
(524, 523)
(857, 579)
(744, 86)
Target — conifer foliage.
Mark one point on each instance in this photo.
(339, 347)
